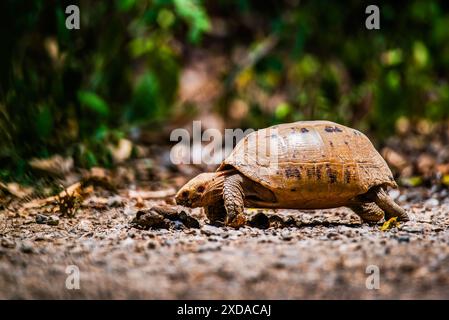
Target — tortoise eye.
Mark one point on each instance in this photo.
(200, 189)
(185, 194)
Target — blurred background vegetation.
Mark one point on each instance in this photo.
(156, 64)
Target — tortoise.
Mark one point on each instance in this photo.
(308, 165)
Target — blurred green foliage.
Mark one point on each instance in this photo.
(75, 90)
(72, 91)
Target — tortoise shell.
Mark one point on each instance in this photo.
(310, 164)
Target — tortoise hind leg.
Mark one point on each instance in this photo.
(391, 208)
(233, 197)
(368, 211)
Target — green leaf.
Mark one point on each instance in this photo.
(282, 111)
(412, 181)
(195, 16)
(93, 102)
(140, 46)
(392, 57)
(393, 79)
(165, 18)
(420, 54)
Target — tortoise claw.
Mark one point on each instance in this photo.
(236, 221)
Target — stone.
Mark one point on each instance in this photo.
(188, 221)
(41, 219)
(27, 247)
(286, 235)
(412, 228)
(53, 221)
(432, 202)
(8, 243)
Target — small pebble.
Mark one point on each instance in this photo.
(286, 236)
(413, 229)
(53, 221)
(131, 234)
(432, 202)
(177, 225)
(128, 243)
(151, 245)
(332, 235)
(209, 247)
(8, 243)
(115, 201)
(41, 219)
(26, 247)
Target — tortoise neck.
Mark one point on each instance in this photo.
(214, 190)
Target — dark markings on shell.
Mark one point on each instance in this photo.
(310, 172)
(332, 129)
(331, 174)
(293, 189)
(293, 173)
(331, 143)
(346, 143)
(318, 172)
(347, 175)
(304, 130)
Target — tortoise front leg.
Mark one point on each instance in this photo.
(233, 197)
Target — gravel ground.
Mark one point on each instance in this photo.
(317, 254)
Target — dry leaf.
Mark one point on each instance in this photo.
(16, 189)
(55, 165)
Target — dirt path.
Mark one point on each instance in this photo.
(323, 254)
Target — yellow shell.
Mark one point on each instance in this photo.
(310, 164)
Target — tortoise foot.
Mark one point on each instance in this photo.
(236, 222)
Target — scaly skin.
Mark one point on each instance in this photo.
(233, 197)
(391, 208)
(368, 211)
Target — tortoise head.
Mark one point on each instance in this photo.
(203, 190)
